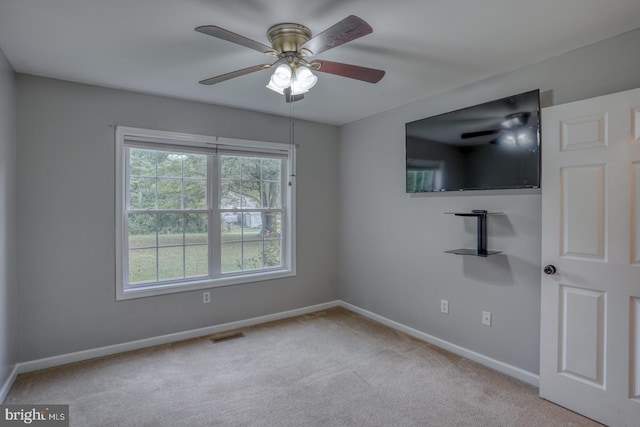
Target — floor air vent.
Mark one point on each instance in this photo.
(226, 336)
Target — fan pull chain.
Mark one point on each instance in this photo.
(291, 144)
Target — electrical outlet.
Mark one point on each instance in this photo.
(486, 318)
(206, 297)
(444, 306)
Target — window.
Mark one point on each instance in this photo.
(195, 212)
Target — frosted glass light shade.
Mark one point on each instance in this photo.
(303, 80)
(280, 79)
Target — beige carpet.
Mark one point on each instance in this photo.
(331, 368)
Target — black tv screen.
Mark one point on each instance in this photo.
(490, 146)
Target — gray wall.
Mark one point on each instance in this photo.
(391, 244)
(8, 283)
(66, 252)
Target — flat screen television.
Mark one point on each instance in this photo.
(490, 146)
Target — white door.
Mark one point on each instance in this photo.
(590, 312)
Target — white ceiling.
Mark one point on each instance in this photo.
(425, 46)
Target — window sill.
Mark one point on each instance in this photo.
(172, 288)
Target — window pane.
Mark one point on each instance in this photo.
(231, 257)
(170, 263)
(230, 167)
(252, 223)
(272, 225)
(251, 194)
(271, 169)
(194, 166)
(142, 231)
(230, 194)
(231, 227)
(271, 191)
(142, 193)
(170, 164)
(170, 230)
(270, 194)
(251, 175)
(195, 228)
(252, 255)
(142, 265)
(272, 253)
(169, 193)
(142, 162)
(251, 168)
(195, 194)
(196, 260)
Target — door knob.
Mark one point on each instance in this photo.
(549, 269)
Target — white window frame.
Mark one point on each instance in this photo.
(127, 136)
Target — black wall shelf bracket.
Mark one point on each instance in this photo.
(481, 232)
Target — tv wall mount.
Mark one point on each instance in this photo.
(481, 231)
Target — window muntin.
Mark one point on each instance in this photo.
(193, 214)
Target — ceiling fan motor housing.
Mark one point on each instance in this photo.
(288, 37)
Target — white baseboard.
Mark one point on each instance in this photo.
(93, 353)
(6, 386)
(499, 366)
(78, 356)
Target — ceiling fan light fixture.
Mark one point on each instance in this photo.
(298, 81)
(282, 74)
(274, 87)
(303, 80)
(280, 79)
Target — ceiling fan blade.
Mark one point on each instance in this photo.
(221, 33)
(233, 74)
(350, 28)
(365, 74)
(480, 133)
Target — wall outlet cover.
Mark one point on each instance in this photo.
(444, 306)
(486, 318)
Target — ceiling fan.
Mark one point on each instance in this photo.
(291, 44)
(510, 122)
